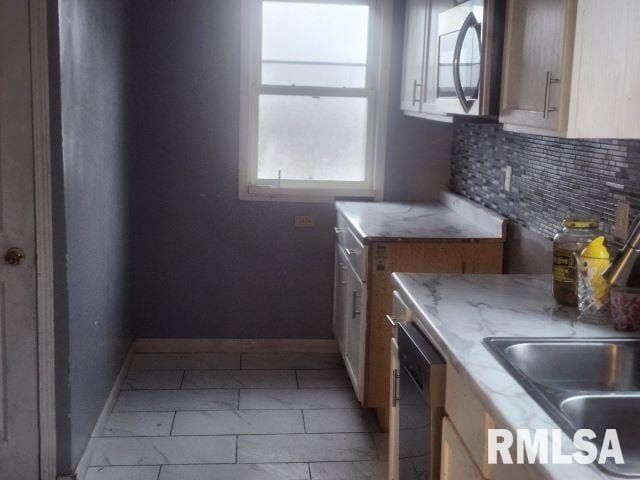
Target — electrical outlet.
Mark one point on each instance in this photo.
(508, 173)
(305, 221)
(623, 217)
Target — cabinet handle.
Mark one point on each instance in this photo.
(392, 321)
(395, 395)
(341, 268)
(339, 231)
(547, 95)
(415, 87)
(350, 251)
(354, 310)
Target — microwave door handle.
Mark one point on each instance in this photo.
(470, 22)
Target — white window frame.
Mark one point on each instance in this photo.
(376, 90)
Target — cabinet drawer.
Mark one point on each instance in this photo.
(354, 250)
(456, 463)
(470, 418)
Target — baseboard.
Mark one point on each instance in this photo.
(83, 464)
(190, 345)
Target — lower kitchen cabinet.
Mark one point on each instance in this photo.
(374, 240)
(348, 320)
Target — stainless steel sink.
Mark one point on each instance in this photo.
(586, 383)
(600, 412)
(578, 365)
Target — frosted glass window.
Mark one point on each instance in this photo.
(310, 74)
(314, 44)
(308, 138)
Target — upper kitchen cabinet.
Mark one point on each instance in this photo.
(414, 49)
(452, 58)
(571, 68)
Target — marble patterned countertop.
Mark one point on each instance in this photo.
(453, 218)
(456, 312)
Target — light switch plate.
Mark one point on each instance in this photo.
(623, 218)
(508, 173)
(304, 221)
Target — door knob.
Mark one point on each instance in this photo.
(14, 257)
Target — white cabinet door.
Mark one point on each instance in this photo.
(456, 463)
(340, 298)
(355, 332)
(414, 48)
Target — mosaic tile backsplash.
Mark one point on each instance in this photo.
(552, 178)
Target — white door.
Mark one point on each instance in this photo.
(19, 453)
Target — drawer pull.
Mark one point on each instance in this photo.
(355, 311)
(350, 251)
(395, 379)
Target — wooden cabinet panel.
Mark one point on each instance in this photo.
(589, 50)
(606, 70)
(386, 258)
(456, 464)
(534, 45)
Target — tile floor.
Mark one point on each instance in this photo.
(238, 416)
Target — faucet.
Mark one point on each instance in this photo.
(619, 271)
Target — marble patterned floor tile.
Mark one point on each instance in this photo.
(186, 361)
(238, 422)
(351, 420)
(266, 471)
(153, 380)
(110, 451)
(176, 400)
(138, 424)
(349, 470)
(291, 360)
(240, 379)
(326, 447)
(328, 378)
(122, 473)
(285, 399)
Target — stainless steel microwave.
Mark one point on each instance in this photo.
(469, 57)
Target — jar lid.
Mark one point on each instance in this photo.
(580, 223)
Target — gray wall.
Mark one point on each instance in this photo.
(95, 332)
(207, 264)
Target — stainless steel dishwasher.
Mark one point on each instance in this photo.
(420, 388)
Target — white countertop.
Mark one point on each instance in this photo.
(453, 218)
(456, 312)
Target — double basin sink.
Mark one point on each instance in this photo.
(586, 383)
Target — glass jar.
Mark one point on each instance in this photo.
(568, 243)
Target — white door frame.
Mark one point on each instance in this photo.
(44, 235)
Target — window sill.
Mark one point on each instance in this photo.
(310, 195)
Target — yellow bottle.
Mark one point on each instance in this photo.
(593, 290)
